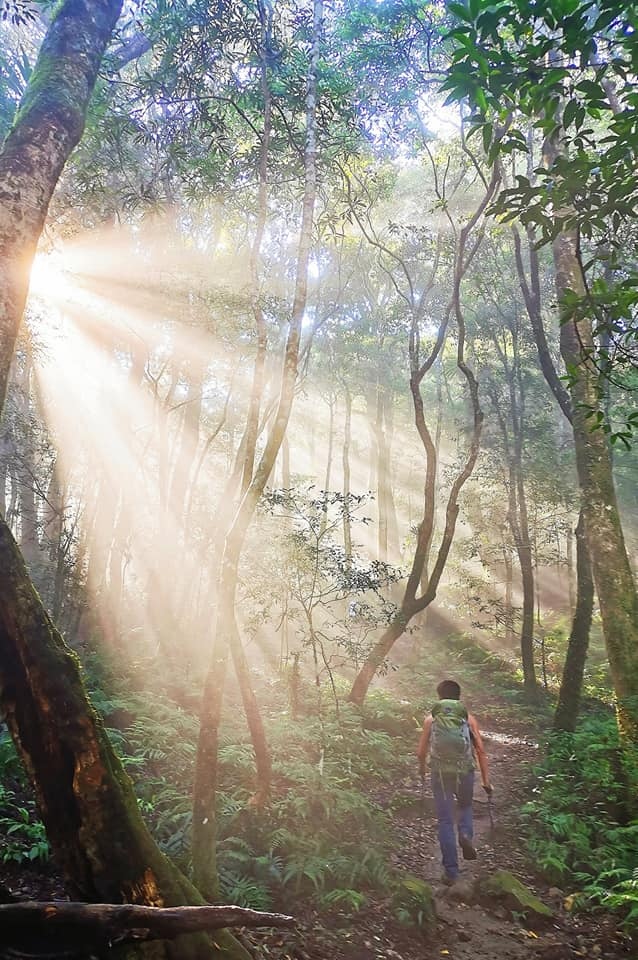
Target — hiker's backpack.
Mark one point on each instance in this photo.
(451, 740)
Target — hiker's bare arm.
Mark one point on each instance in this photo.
(424, 743)
(481, 755)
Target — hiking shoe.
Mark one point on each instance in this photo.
(447, 879)
(469, 853)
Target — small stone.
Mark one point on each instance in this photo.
(555, 893)
(461, 891)
(463, 935)
(596, 950)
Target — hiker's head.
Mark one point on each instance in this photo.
(448, 690)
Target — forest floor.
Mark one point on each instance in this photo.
(465, 929)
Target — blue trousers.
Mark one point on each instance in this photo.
(452, 801)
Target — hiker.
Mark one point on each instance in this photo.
(452, 738)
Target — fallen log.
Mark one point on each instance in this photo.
(60, 928)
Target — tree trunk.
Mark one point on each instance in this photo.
(611, 569)
(345, 455)
(509, 606)
(411, 603)
(25, 467)
(382, 476)
(581, 610)
(73, 929)
(85, 798)
(571, 685)
(527, 628)
(570, 571)
(226, 635)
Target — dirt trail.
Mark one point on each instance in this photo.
(463, 931)
(476, 932)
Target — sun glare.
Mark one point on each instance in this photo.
(50, 282)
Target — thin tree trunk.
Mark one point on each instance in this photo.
(382, 477)
(328, 474)
(509, 606)
(571, 686)
(412, 604)
(226, 636)
(257, 390)
(345, 454)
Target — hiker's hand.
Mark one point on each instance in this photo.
(489, 789)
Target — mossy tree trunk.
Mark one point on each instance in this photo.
(85, 799)
(611, 569)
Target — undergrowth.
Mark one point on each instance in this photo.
(320, 837)
(578, 828)
(24, 837)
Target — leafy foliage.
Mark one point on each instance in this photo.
(24, 837)
(576, 824)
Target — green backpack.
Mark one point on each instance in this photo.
(451, 740)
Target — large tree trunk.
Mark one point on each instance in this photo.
(86, 800)
(611, 569)
(60, 929)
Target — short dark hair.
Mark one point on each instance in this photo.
(449, 690)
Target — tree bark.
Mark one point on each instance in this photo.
(59, 928)
(611, 569)
(86, 800)
(571, 686)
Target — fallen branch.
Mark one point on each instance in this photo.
(60, 925)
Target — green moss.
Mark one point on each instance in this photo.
(508, 890)
(413, 902)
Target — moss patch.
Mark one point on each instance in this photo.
(413, 902)
(509, 891)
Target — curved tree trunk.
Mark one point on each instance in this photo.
(411, 603)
